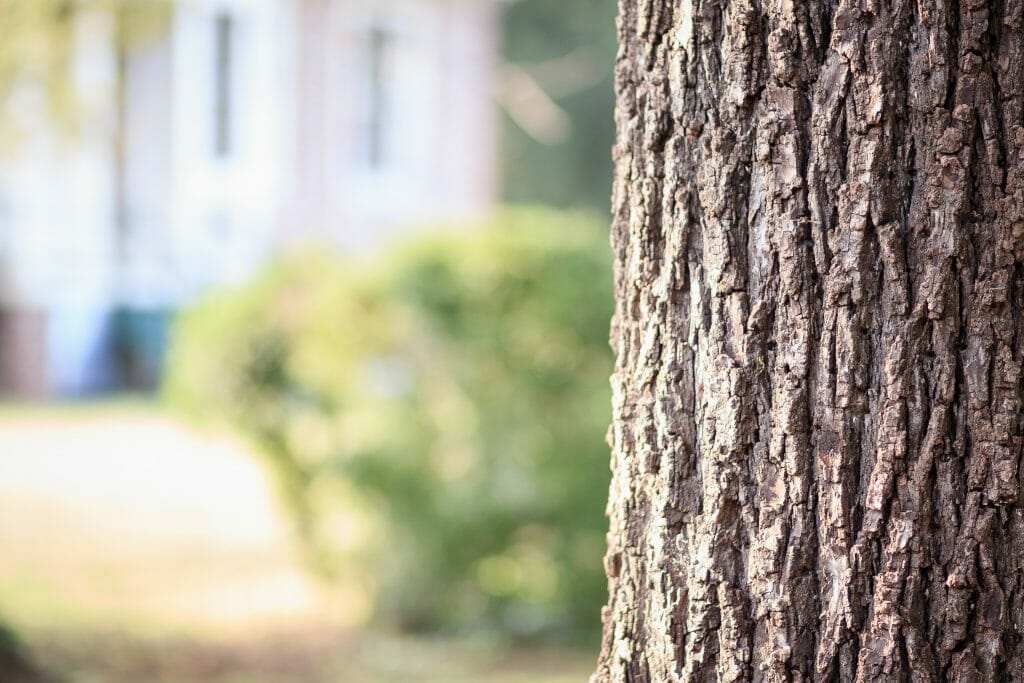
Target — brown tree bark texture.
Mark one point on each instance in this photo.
(819, 399)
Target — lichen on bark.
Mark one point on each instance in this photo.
(819, 397)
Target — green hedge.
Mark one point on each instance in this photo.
(435, 418)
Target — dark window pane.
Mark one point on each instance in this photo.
(222, 84)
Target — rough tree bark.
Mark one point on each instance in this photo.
(819, 399)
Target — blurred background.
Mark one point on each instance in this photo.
(303, 339)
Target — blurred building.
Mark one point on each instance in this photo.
(237, 127)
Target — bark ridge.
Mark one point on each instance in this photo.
(819, 398)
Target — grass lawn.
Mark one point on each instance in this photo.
(139, 550)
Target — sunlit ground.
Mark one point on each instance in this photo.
(136, 549)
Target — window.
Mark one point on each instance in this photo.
(224, 29)
(378, 105)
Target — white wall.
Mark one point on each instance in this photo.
(194, 219)
(440, 127)
(148, 272)
(58, 251)
(223, 210)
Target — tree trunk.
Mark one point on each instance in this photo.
(819, 397)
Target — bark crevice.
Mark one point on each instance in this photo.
(819, 397)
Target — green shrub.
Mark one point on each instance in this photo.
(435, 418)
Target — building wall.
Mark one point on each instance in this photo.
(147, 267)
(23, 363)
(225, 203)
(57, 257)
(435, 122)
(147, 208)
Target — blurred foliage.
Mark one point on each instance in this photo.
(38, 39)
(567, 48)
(436, 418)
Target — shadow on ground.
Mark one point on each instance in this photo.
(137, 550)
(314, 656)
